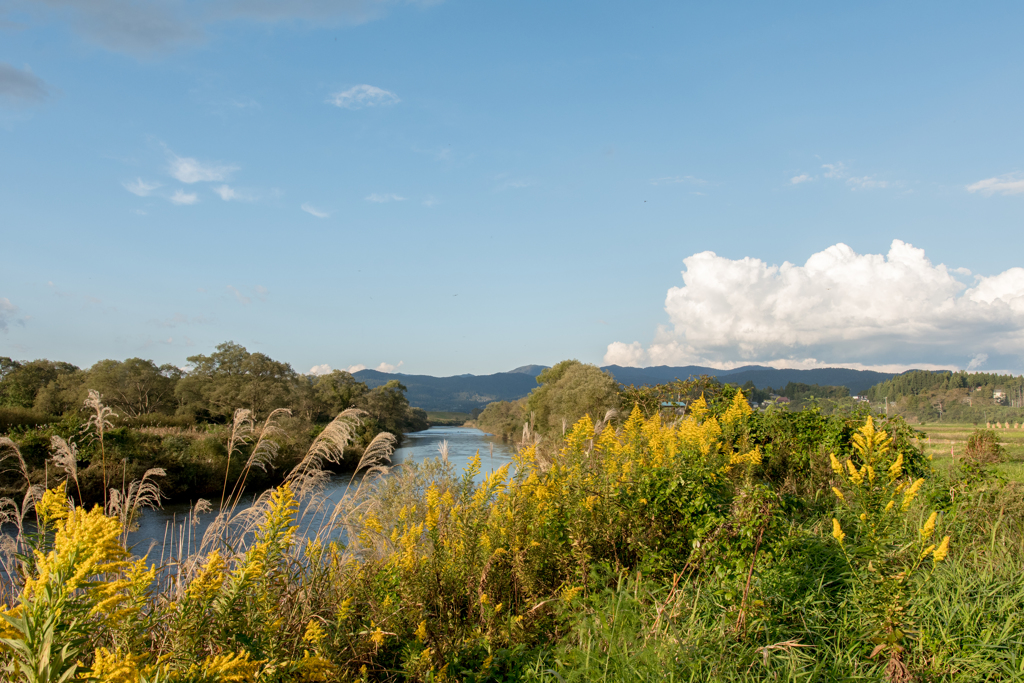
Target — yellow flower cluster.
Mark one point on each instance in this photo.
(115, 667)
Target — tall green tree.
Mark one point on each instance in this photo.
(135, 386)
(567, 392)
(231, 378)
(20, 382)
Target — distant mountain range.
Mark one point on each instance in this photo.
(463, 393)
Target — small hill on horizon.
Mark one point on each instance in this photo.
(464, 393)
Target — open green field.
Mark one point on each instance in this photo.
(945, 443)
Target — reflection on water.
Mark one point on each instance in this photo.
(170, 531)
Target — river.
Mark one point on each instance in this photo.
(164, 532)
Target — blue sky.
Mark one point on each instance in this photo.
(470, 186)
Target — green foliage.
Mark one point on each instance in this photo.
(20, 382)
(504, 419)
(650, 397)
(567, 392)
(799, 391)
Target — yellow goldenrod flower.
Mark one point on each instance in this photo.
(855, 475)
(421, 632)
(837, 531)
(942, 550)
(53, 506)
(115, 667)
(839, 494)
(896, 471)
(377, 636)
(911, 493)
(314, 633)
(836, 465)
(929, 527)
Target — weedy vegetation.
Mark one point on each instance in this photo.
(717, 545)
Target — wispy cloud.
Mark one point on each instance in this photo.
(21, 85)
(361, 96)
(383, 198)
(181, 197)
(514, 184)
(802, 178)
(430, 201)
(868, 183)
(242, 299)
(233, 194)
(835, 171)
(314, 211)
(144, 28)
(262, 292)
(226, 193)
(1011, 183)
(189, 170)
(7, 313)
(140, 187)
(679, 180)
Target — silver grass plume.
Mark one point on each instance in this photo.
(442, 448)
(100, 423)
(65, 457)
(241, 432)
(263, 453)
(309, 477)
(141, 493)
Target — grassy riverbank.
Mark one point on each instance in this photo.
(723, 546)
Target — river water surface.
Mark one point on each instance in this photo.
(165, 532)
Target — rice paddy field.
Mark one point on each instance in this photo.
(946, 443)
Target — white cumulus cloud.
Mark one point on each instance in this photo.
(318, 370)
(186, 198)
(1011, 183)
(802, 178)
(314, 212)
(355, 368)
(360, 96)
(140, 187)
(894, 311)
(189, 170)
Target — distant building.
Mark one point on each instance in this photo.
(999, 397)
(673, 407)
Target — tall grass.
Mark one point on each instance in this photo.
(630, 550)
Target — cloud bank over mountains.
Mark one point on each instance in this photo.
(885, 312)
